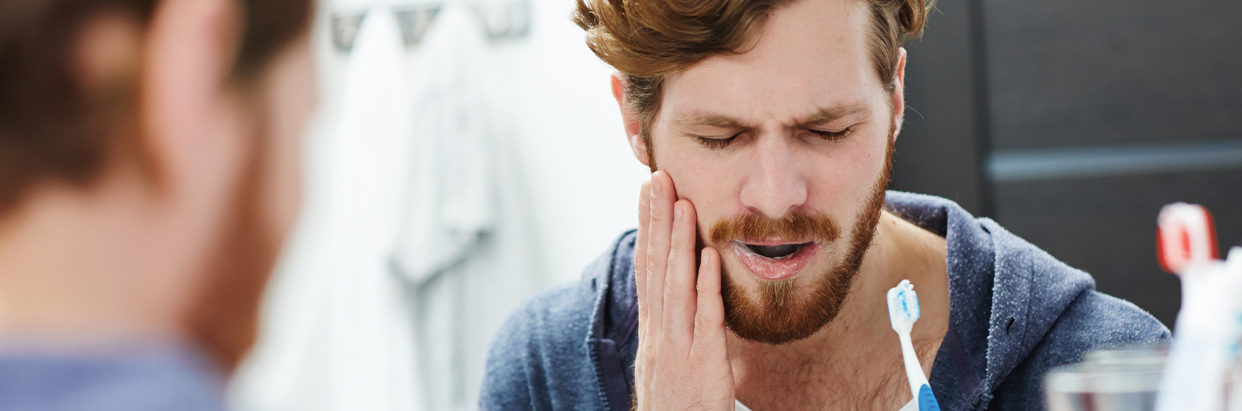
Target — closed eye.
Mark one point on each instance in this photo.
(715, 143)
(833, 135)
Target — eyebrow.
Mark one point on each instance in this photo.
(711, 120)
(830, 114)
(820, 117)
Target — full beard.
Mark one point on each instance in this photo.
(780, 315)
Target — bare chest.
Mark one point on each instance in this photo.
(877, 384)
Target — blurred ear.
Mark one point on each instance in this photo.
(633, 126)
(190, 118)
(899, 93)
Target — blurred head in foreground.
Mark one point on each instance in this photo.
(149, 167)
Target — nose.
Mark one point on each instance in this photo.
(774, 186)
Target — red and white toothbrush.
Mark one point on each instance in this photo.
(1209, 325)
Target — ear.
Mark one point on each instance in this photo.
(899, 93)
(191, 120)
(633, 126)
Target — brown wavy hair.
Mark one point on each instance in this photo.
(648, 39)
(50, 128)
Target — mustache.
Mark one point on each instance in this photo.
(757, 228)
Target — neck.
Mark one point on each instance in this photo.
(858, 351)
(88, 267)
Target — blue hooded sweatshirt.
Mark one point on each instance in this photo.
(1014, 313)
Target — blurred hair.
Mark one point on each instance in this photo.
(50, 128)
(648, 39)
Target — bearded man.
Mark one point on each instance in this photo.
(767, 240)
(149, 173)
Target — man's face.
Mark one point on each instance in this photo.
(784, 152)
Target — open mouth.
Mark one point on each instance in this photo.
(776, 252)
(777, 261)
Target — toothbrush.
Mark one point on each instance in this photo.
(1208, 328)
(903, 311)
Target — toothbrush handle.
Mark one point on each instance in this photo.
(919, 387)
(927, 400)
(914, 370)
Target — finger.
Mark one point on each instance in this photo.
(710, 345)
(640, 256)
(659, 228)
(679, 294)
(709, 321)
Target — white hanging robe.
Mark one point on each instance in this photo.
(464, 246)
(337, 335)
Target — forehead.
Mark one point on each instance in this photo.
(809, 55)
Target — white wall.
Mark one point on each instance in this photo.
(581, 178)
(575, 171)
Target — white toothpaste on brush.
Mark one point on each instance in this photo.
(903, 311)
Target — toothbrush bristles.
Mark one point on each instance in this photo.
(903, 305)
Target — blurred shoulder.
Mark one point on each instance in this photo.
(132, 379)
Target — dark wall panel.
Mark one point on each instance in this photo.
(937, 151)
(1002, 75)
(1107, 226)
(1078, 73)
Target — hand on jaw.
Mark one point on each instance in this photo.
(682, 359)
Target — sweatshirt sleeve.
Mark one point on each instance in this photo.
(507, 381)
(538, 359)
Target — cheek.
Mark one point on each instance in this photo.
(843, 179)
(709, 182)
(291, 100)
